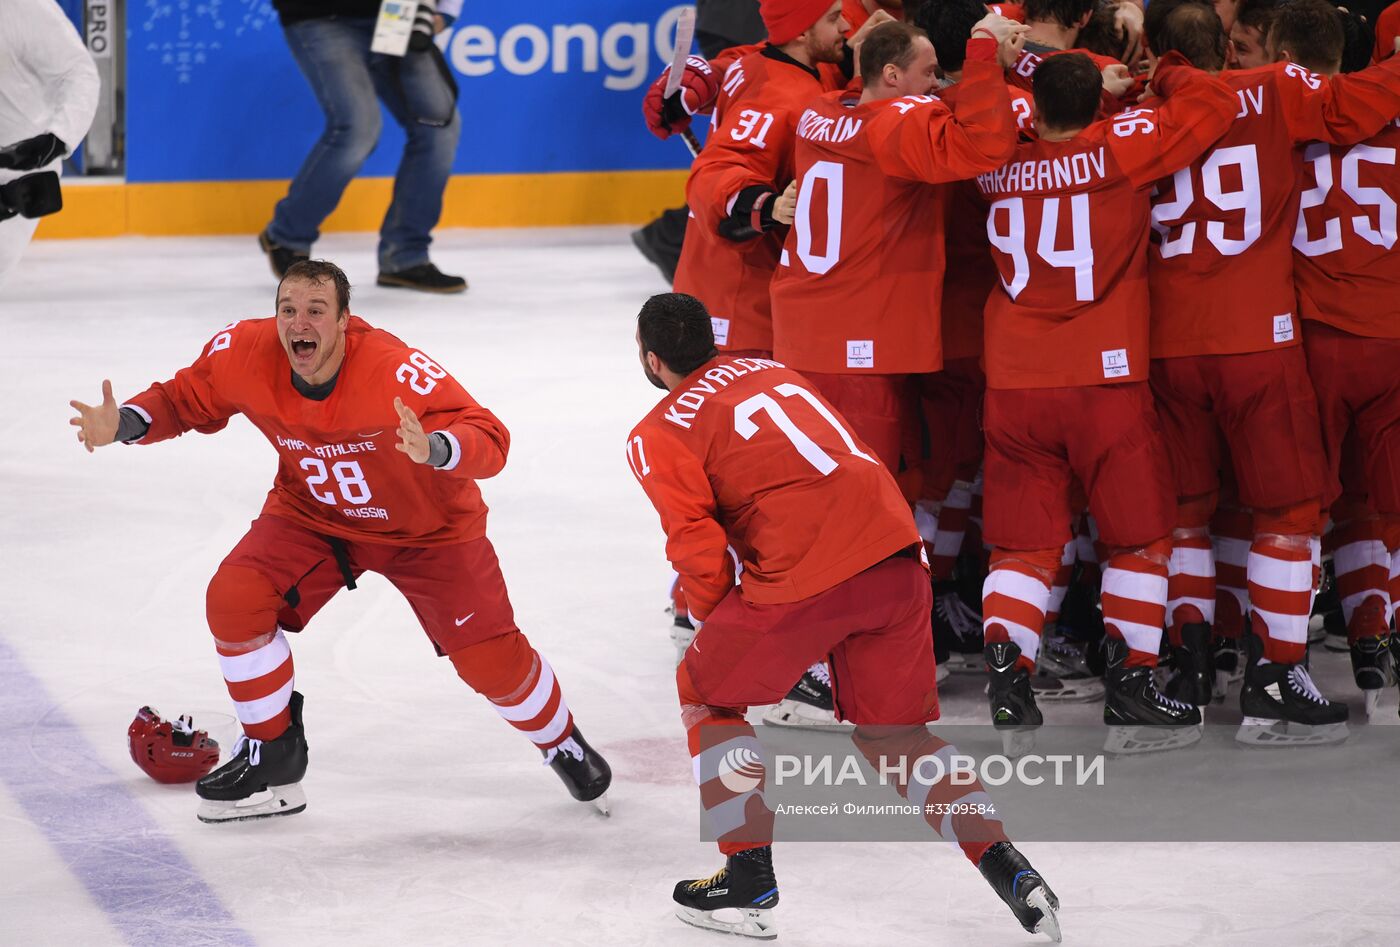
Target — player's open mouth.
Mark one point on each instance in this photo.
(303, 349)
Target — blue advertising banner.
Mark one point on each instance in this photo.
(554, 85)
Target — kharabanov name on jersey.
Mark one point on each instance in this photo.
(329, 450)
(721, 375)
(1045, 174)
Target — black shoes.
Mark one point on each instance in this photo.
(280, 258)
(425, 277)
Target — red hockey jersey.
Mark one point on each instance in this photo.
(751, 143)
(858, 285)
(1220, 264)
(1347, 263)
(338, 471)
(1068, 226)
(744, 457)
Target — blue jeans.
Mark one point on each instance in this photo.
(349, 82)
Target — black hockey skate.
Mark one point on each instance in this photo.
(808, 704)
(746, 884)
(1327, 624)
(1062, 673)
(1142, 719)
(1014, 711)
(1192, 666)
(1283, 707)
(1228, 660)
(585, 773)
(1022, 888)
(261, 780)
(1371, 663)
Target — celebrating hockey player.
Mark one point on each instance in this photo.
(1347, 272)
(1067, 396)
(735, 459)
(1228, 365)
(732, 246)
(379, 451)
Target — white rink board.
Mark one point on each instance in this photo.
(429, 821)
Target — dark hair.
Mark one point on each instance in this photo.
(1359, 41)
(1195, 31)
(949, 24)
(1257, 14)
(1067, 13)
(677, 328)
(1067, 88)
(887, 43)
(1156, 14)
(320, 271)
(1310, 31)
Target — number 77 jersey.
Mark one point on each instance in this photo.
(339, 472)
(755, 476)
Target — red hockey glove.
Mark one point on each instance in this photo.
(697, 93)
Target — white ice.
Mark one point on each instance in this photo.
(429, 820)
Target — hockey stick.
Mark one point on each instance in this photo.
(685, 35)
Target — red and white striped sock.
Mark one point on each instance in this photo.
(1134, 600)
(1232, 530)
(537, 707)
(260, 680)
(1362, 565)
(728, 764)
(1190, 581)
(1060, 588)
(1014, 599)
(951, 528)
(1280, 572)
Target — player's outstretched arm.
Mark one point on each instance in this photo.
(413, 441)
(97, 424)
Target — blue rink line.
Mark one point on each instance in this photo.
(135, 873)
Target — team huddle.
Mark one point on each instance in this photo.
(1146, 321)
(975, 334)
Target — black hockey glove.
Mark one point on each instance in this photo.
(751, 215)
(34, 195)
(32, 152)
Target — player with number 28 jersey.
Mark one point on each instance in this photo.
(338, 472)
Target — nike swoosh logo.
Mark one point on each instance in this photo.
(376, 434)
(463, 621)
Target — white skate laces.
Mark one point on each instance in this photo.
(820, 673)
(569, 748)
(963, 620)
(1303, 686)
(254, 749)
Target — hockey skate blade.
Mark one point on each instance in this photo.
(1135, 741)
(959, 663)
(1049, 924)
(1077, 691)
(1373, 701)
(1017, 743)
(753, 922)
(1261, 731)
(272, 802)
(1223, 680)
(601, 804)
(794, 713)
(681, 637)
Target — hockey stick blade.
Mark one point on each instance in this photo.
(685, 35)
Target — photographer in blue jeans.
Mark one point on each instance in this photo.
(330, 42)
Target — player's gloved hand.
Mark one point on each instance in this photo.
(32, 152)
(97, 424)
(697, 93)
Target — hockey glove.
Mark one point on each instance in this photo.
(32, 152)
(697, 93)
(34, 195)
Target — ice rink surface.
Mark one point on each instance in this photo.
(429, 821)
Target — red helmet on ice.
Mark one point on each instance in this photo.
(171, 752)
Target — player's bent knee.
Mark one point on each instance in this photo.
(1158, 552)
(496, 666)
(1299, 519)
(241, 606)
(1042, 563)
